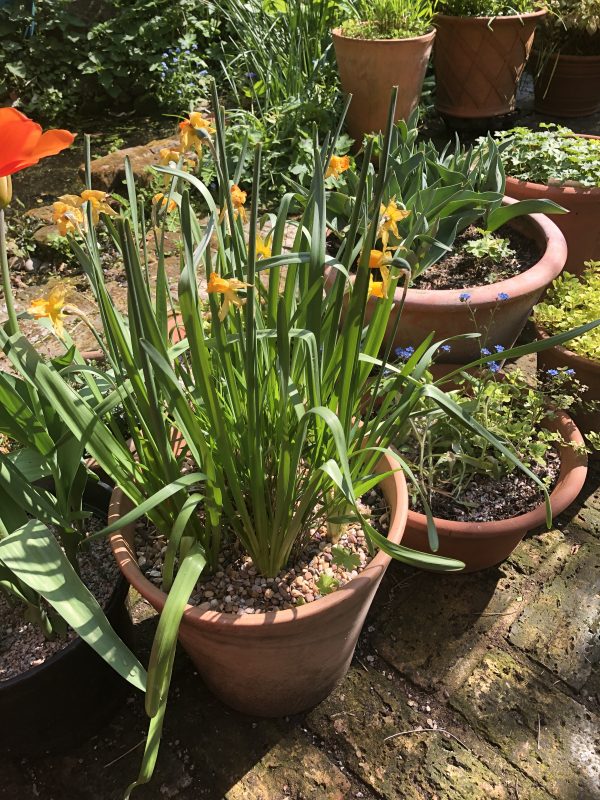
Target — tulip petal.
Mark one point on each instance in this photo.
(52, 142)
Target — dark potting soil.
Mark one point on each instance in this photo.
(22, 643)
(462, 270)
(236, 586)
(487, 500)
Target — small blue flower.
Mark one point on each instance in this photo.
(175, 59)
(464, 297)
(163, 64)
(552, 372)
(165, 55)
(445, 348)
(494, 366)
(499, 348)
(485, 351)
(503, 296)
(178, 50)
(203, 72)
(250, 75)
(404, 352)
(570, 372)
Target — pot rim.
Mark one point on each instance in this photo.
(572, 475)
(393, 484)
(542, 12)
(336, 33)
(577, 59)
(585, 363)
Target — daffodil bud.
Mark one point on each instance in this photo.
(5, 191)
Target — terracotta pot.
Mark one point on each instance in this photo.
(499, 322)
(279, 662)
(55, 706)
(483, 544)
(587, 372)
(369, 68)
(568, 86)
(580, 226)
(479, 61)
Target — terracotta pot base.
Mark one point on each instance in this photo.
(568, 86)
(280, 662)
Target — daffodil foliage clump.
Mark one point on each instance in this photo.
(487, 8)
(571, 302)
(552, 155)
(391, 19)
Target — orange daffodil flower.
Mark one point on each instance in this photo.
(376, 288)
(193, 130)
(68, 210)
(53, 306)
(238, 198)
(337, 165)
(159, 198)
(390, 215)
(377, 260)
(228, 287)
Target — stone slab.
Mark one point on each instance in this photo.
(545, 734)
(448, 763)
(561, 628)
(108, 172)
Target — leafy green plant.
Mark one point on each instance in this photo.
(572, 27)
(447, 458)
(552, 155)
(492, 249)
(487, 8)
(571, 301)
(391, 19)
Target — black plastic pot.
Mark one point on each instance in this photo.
(55, 706)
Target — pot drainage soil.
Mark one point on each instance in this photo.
(237, 587)
(22, 643)
(490, 500)
(462, 270)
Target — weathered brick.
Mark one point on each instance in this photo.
(547, 735)
(561, 628)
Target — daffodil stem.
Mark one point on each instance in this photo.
(12, 326)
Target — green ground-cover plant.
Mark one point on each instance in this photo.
(391, 19)
(488, 8)
(552, 155)
(446, 457)
(490, 248)
(59, 59)
(569, 302)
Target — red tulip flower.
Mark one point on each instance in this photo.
(22, 143)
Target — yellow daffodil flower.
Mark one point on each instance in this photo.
(67, 218)
(192, 130)
(159, 197)
(168, 156)
(390, 215)
(238, 198)
(377, 259)
(228, 287)
(97, 200)
(337, 165)
(53, 306)
(376, 288)
(263, 247)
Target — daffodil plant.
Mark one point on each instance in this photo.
(253, 373)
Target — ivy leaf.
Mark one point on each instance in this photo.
(345, 558)
(327, 584)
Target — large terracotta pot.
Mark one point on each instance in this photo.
(587, 372)
(499, 321)
(581, 226)
(56, 705)
(479, 61)
(279, 662)
(369, 68)
(568, 86)
(483, 544)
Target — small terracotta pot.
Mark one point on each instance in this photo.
(568, 86)
(479, 62)
(580, 226)
(279, 662)
(587, 372)
(499, 322)
(369, 68)
(483, 544)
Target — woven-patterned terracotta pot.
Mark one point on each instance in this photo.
(479, 61)
(568, 86)
(369, 68)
